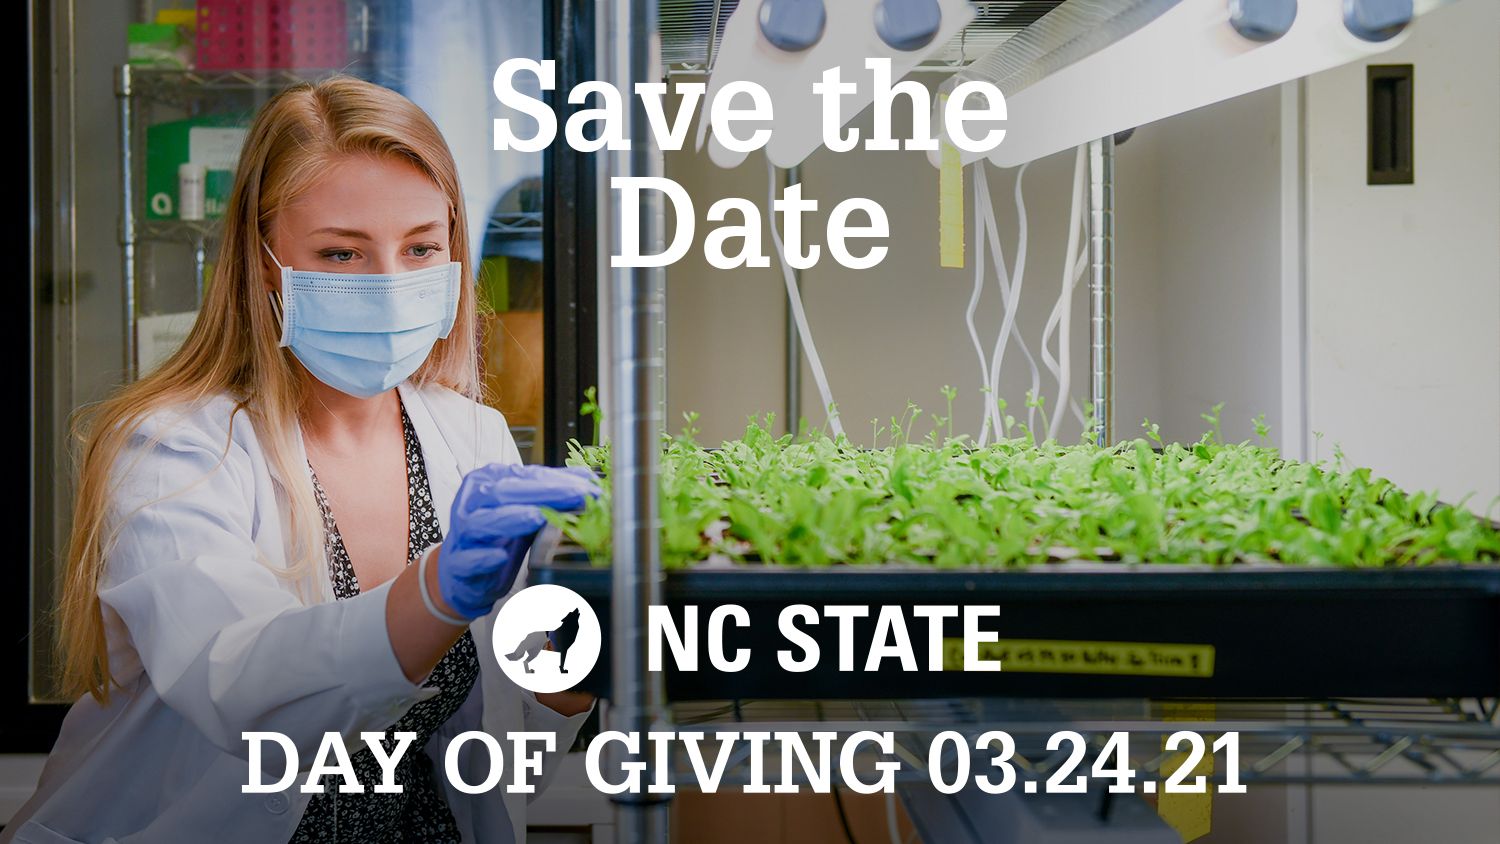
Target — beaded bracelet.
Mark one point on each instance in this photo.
(427, 598)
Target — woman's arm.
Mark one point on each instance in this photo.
(219, 637)
(418, 638)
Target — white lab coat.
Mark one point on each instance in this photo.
(207, 643)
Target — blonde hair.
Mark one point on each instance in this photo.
(233, 345)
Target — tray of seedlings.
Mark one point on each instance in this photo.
(1144, 569)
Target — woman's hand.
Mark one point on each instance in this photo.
(564, 703)
(495, 517)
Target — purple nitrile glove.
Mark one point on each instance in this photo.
(496, 515)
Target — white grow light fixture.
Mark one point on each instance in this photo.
(1092, 68)
(785, 45)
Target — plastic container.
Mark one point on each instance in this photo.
(158, 45)
(272, 34)
(1266, 630)
(192, 184)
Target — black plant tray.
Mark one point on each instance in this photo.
(1187, 631)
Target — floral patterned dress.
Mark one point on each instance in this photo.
(418, 813)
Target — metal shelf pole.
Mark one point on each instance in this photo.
(1101, 167)
(632, 54)
(127, 214)
(793, 339)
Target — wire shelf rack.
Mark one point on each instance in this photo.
(194, 231)
(150, 94)
(1336, 741)
(176, 231)
(184, 88)
(515, 222)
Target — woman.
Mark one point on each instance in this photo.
(291, 525)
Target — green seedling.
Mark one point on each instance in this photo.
(812, 500)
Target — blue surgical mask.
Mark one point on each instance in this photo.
(364, 334)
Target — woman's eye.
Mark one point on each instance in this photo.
(340, 256)
(425, 250)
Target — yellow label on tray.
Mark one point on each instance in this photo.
(1059, 656)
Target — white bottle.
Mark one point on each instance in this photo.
(191, 184)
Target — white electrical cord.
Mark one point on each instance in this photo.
(1010, 284)
(794, 298)
(1080, 269)
(987, 403)
(986, 227)
(1050, 362)
(1061, 317)
(1036, 375)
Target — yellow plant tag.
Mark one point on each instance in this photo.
(950, 206)
(1190, 814)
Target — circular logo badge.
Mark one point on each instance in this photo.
(546, 638)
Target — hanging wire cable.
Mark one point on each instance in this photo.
(794, 297)
(988, 229)
(1031, 367)
(987, 403)
(1010, 288)
(1061, 316)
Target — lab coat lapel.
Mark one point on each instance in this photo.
(451, 448)
(443, 470)
(321, 578)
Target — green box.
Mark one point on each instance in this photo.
(212, 140)
(158, 45)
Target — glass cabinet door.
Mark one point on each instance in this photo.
(138, 113)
